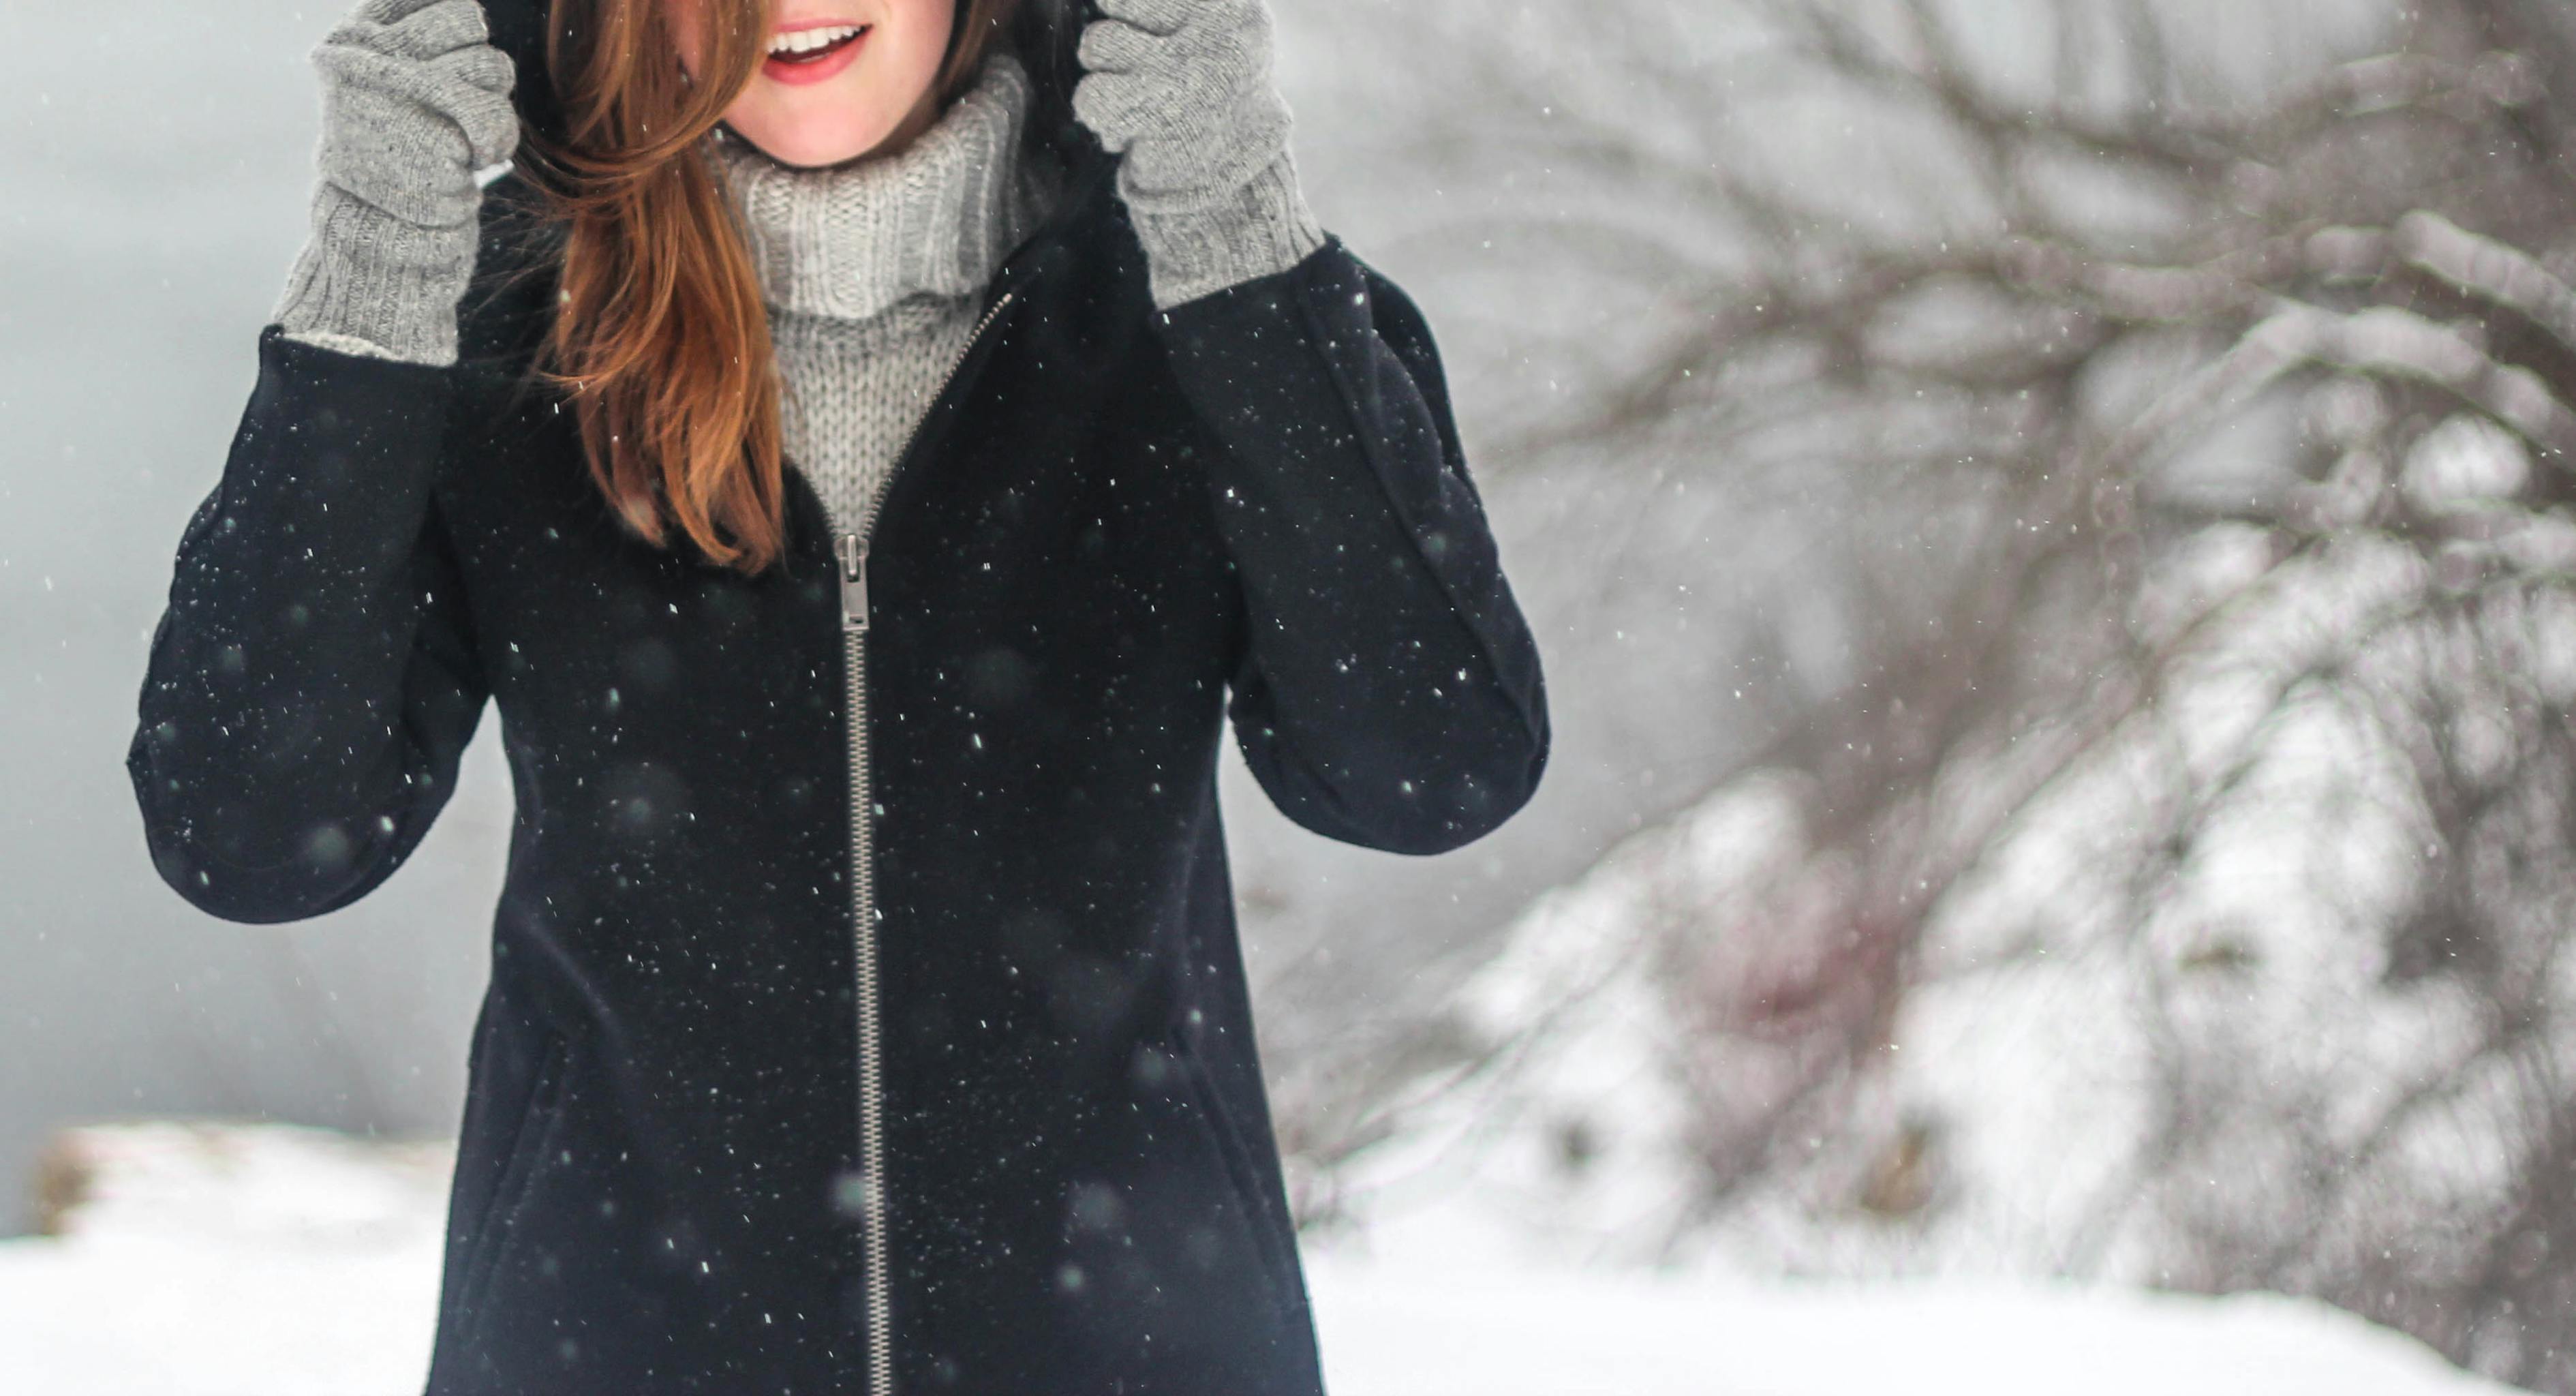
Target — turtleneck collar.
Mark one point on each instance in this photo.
(937, 218)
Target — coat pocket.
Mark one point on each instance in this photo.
(1272, 1230)
(528, 1145)
(1170, 1270)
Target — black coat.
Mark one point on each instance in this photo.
(1117, 529)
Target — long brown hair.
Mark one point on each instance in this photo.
(659, 336)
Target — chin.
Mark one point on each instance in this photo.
(811, 146)
(819, 154)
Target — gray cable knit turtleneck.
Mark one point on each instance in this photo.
(873, 273)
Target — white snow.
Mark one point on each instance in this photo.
(1402, 1331)
(236, 1259)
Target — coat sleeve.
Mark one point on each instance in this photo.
(1386, 691)
(312, 682)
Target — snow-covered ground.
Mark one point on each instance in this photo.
(227, 1261)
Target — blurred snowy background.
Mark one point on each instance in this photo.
(278, 1261)
(2050, 523)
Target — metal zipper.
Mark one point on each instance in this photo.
(852, 548)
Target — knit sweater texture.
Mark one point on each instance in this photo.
(414, 101)
(873, 273)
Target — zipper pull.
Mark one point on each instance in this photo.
(854, 582)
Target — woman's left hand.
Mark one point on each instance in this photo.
(1184, 88)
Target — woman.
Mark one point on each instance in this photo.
(865, 450)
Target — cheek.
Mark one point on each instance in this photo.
(926, 26)
(686, 21)
(926, 14)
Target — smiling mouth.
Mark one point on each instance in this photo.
(813, 45)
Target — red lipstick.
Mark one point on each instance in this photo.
(818, 59)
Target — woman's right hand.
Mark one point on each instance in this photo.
(415, 100)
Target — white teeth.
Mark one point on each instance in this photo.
(808, 40)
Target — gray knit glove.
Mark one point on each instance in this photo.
(1184, 89)
(414, 101)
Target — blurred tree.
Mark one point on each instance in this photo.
(2160, 417)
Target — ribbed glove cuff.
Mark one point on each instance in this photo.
(1258, 230)
(368, 276)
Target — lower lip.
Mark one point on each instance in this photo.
(823, 69)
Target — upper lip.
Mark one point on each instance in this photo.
(815, 33)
